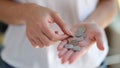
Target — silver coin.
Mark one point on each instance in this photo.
(80, 31)
(76, 48)
(69, 46)
(78, 34)
(74, 42)
(84, 35)
(81, 35)
(79, 39)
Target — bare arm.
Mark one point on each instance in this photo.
(37, 20)
(104, 13)
(102, 16)
(10, 12)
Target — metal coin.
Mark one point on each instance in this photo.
(78, 34)
(69, 46)
(84, 35)
(81, 35)
(76, 48)
(79, 39)
(74, 42)
(80, 31)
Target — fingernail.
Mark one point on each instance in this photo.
(63, 62)
(58, 49)
(37, 46)
(70, 62)
(70, 33)
(59, 56)
(102, 48)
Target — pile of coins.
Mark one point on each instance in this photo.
(79, 36)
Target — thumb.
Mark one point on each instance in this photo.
(58, 20)
(99, 41)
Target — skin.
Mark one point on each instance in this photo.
(38, 20)
(102, 17)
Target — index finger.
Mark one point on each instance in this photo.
(59, 21)
(84, 48)
(51, 33)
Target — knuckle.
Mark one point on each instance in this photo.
(48, 43)
(64, 25)
(53, 38)
(41, 46)
(56, 13)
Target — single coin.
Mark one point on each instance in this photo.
(79, 39)
(81, 35)
(80, 31)
(76, 48)
(84, 35)
(69, 46)
(74, 42)
(78, 34)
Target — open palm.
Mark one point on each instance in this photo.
(93, 34)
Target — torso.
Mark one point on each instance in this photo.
(20, 53)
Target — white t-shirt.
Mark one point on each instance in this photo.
(20, 53)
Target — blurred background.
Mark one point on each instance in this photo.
(113, 35)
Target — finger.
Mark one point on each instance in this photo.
(66, 56)
(34, 34)
(33, 40)
(85, 42)
(61, 45)
(41, 38)
(99, 41)
(39, 42)
(46, 40)
(58, 20)
(51, 34)
(77, 55)
(56, 32)
(37, 39)
(62, 52)
(33, 43)
(61, 37)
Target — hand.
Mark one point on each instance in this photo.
(38, 20)
(94, 34)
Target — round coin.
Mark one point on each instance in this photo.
(81, 35)
(79, 39)
(84, 35)
(76, 48)
(69, 46)
(74, 42)
(80, 31)
(78, 34)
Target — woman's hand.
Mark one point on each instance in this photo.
(93, 34)
(38, 20)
